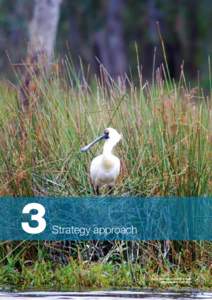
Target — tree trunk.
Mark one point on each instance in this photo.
(109, 43)
(115, 38)
(43, 27)
(42, 35)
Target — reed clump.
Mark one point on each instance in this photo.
(166, 151)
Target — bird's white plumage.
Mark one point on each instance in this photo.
(105, 168)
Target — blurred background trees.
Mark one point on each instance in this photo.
(106, 31)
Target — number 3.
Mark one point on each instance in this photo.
(36, 217)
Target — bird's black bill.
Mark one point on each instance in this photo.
(87, 147)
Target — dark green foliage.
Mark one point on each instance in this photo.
(185, 27)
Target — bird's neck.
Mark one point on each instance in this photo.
(108, 149)
(107, 161)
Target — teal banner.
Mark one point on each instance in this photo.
(105, 218)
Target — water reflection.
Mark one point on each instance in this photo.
(114, 295)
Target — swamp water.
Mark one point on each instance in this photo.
(107, 295)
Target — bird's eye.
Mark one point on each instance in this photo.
(106, 133)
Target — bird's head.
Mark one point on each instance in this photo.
(110, 135)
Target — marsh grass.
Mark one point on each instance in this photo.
(84, 276)
(166, 147)
(166, 151)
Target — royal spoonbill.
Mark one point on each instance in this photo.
(105, 168)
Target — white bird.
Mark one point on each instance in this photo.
(105, 168)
